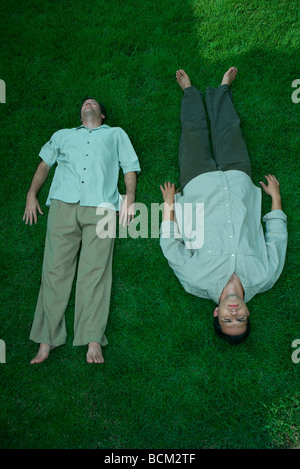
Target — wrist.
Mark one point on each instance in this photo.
(168, 211)
(31, 194)
(276, 202)
(169, 202)
(130, 198)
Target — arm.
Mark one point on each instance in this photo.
(272, 189)
(127, 209)
(170, 239)
(32, 204)
(168, 193)
(276, 232)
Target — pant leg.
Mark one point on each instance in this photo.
(60, 256)
(94, 279)
(230, 151)
(194, 150)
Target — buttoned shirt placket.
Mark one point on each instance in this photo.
(229, 232)
(85, 162)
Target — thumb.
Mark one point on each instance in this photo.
(262, 184)
(40, 210)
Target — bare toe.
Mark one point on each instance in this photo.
(229, 76)
(42, 354)
(183, 79)
(94, 353)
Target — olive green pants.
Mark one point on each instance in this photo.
(72, 238)
(229, 150)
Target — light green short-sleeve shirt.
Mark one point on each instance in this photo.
(234, 240)
(88, 164)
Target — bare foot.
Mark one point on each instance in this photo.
(229, 76)
(94, 353)
(183, 79)
(42, 354)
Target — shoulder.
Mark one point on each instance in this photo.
(62, 132)
(116, 130)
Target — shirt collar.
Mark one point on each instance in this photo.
(96, 128)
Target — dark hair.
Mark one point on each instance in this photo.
(231, 339)
(102, 107)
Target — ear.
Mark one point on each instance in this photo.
(216, 310)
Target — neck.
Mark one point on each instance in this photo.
(233, 287)
(92, 123)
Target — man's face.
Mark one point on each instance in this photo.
(233, 315)
(90, 108)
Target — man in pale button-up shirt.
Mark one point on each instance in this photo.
(88, 160)
(231, 259)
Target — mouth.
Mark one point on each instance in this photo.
(233, 306)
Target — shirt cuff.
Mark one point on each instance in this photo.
(169, 229)
(133, 169)
(45, 159)
(275, 214)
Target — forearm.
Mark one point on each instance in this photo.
(168, 212)
(38, 179)
(276, 203)
(130, 184)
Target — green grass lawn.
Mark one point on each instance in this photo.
(168, 381)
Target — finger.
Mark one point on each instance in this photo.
(121, 216)
(268, 178)
(125, 218)
(122, 221)
(130, 218)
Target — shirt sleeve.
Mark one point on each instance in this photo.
(128, 159)
(50, 151)
(172, 245)
(276, 237)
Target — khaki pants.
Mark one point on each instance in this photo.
(72, 228)
(228, 145)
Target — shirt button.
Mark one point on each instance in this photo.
(225, 188)
(226, 205)
(230, 236)
(232, 255)
(82, 182)
(228, 221)
(86, 155)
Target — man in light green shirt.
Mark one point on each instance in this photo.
(231, 260)
(84, 190)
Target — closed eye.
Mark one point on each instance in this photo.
(239, 320)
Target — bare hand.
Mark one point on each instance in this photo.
(127, 211)
(168, 192)
(31, 209)
(272, 188)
